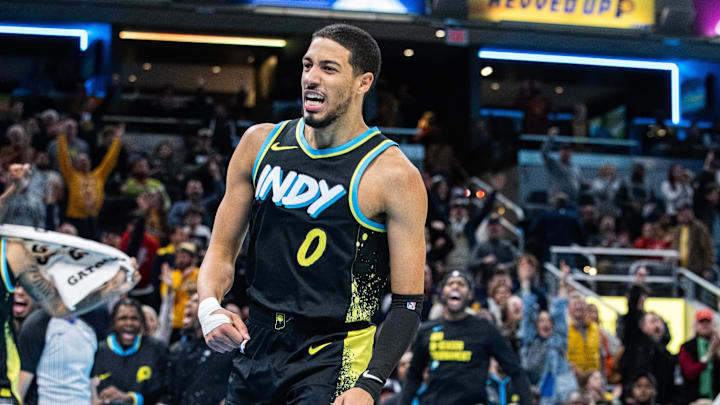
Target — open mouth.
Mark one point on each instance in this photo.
(313, 101)
(454, 297)
(127, 336)
(19, 306)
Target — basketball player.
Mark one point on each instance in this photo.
(329, 202)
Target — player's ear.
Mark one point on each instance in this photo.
(365, 82)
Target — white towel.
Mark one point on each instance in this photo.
(76, 266)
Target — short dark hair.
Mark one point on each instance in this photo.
(127, 302)
(364, 50)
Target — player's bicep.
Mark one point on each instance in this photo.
(232, 214)
(406, 210)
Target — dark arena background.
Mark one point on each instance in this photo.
(569, 150)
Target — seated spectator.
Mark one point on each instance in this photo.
(544, 345)
(635, 199)
(75, 145)
(583, 337)
(707, 208)
(604, 188)
(527, 277)
(609, 345)
(24, 196)
(564, 176)
(677, 190)
(511, 314)
(181, 281)
(195, 195)
(185, 385)
(86, 187)
(650, 238)
(500, 389)
(139, 243)
(139, 181)
(199, 234)
(151, 320)
(645, 350)
(497, 250)
(23, 306)
(693, 243)
(699, 359)
(644, 390)
(130, 367)
(558, 227)
(594, 392)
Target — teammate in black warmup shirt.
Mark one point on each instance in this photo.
(130, 367)
(330, 202)
(457, 350)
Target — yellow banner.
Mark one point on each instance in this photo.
(593, 13)
(675, 311)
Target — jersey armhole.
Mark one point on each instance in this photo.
(265, 146)
(355, 183)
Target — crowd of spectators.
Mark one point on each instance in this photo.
(157, 204)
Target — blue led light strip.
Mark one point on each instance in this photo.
(46, 31)
(597, 61)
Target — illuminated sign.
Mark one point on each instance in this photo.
(707, 17)
(378, 6)
(593, 13)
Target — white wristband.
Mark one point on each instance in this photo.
(208, 320)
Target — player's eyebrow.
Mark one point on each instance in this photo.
(323, 62)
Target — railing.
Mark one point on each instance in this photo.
(557, 273)
(501, 198)
(629, 143)
(591, 253)
(709, 293)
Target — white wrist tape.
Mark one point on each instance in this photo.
(208, 320)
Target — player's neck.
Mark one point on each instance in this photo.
(338, 133)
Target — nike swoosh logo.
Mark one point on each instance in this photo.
(372, 377)
(312, 350)
(276, 147)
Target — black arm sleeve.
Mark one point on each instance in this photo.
(393, 339)
(510, 363)
(31, 340)
(414, 376)
(136, 237)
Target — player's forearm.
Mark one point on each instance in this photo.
(217, 273)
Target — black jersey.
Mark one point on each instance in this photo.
(9, 358)
(458, 355)
(312, 252)
(140, 369)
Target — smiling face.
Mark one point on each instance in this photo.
(23, 304)
(544, 325)
(329, 84)
(456, 294)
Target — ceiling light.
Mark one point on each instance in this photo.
(147, 66)
(440, 33)
(486, 71)
(623, 63)
(216, 69)
(202, 39)
(408, 52)
(46, 31)
(495, 86)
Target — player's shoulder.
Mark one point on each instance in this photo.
(395, 169)
(257, 133)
